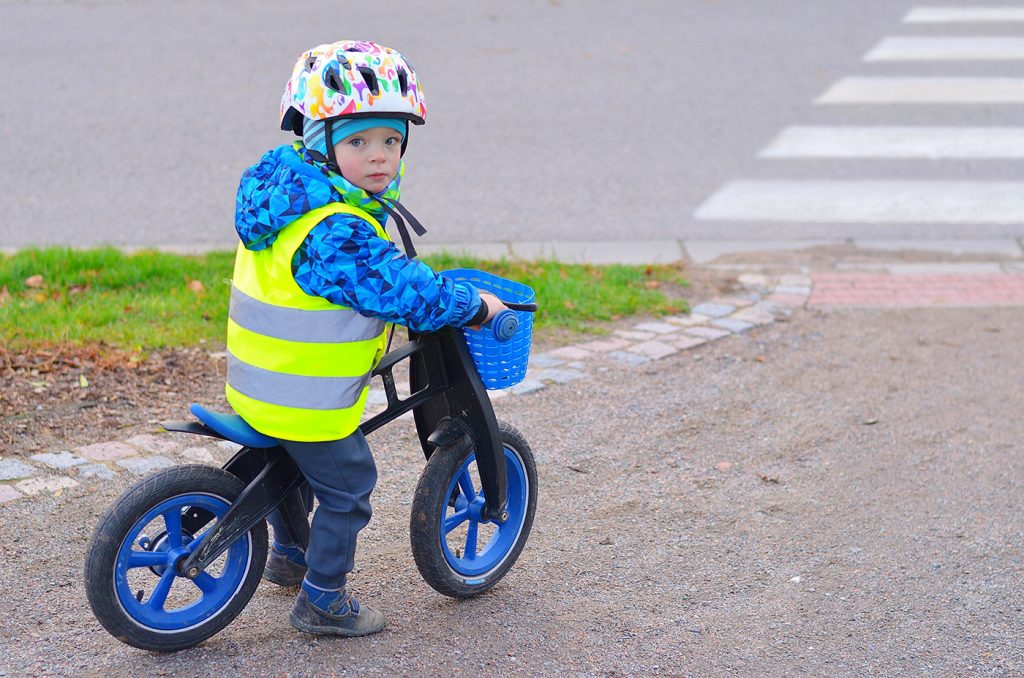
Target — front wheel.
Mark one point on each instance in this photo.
(457, 552)
(131, 581)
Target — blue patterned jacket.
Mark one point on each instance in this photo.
(343, 259)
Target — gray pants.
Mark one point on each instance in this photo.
(341, 474)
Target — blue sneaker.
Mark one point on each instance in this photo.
(333, 612)
(286, 565)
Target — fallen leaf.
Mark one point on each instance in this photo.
(723, 465)
(769, 479)
(196, 286)
(870, 422)
(34, 281)
(652, 284)
(607, 541)
(82, 381)
(759, 358)
(5, 295)
(577, 469)
(569, 305)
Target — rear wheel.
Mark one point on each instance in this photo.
(131, 580)
(457, 552)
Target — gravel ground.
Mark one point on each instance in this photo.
(835, 495)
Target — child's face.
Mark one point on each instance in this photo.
(369, 159)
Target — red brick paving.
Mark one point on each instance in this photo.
(884, 289)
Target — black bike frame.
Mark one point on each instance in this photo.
(449, 405)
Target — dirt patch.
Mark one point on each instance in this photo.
(60, 398)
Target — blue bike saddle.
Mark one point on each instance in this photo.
(232, 427)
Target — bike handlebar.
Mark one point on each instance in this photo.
(505, 323)
(529, 308)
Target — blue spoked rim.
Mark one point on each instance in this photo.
(465, 555)
(211, 592)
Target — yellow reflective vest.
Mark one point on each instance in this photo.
(298, 365)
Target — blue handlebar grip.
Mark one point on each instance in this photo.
(505, 325)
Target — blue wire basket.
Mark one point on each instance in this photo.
(501, 364)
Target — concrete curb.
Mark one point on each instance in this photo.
(670, 250)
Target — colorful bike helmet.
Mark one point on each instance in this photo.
(351, 79)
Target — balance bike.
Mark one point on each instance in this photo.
(179, 555)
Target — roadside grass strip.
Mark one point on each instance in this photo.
(149, 300)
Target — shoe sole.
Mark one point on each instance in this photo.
(273, 578)
(329, 630)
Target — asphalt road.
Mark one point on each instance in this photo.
(128, 123)
(839, 495)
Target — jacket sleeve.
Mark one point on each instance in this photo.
(344, 261)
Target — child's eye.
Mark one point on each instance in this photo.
(392, 141)
(357, 142)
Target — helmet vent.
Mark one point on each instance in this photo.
(370, 78)
(310, 63)
(403, 81)
(333, 80)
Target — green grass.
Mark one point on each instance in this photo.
(153, 300)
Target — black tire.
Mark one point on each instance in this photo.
(434, 498)
(102, 564)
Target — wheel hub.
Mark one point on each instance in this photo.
(476, 509)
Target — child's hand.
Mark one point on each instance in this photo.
(494, 307)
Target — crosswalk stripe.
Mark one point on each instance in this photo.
(897, 142)
(924, 91)
(940, 202)
(935, 48)
(940, 15)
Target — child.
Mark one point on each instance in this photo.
(316, 280)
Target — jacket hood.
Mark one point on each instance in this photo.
(287, 183)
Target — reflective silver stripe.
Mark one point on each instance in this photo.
(333, 326)
(294, 390)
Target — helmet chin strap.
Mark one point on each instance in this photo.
(389, 207)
